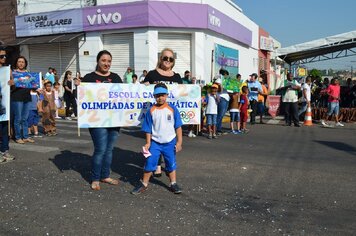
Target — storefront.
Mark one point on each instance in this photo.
(135, 33)
(264, 57)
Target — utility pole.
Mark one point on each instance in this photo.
(352, 72)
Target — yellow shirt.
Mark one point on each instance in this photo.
(261, 98)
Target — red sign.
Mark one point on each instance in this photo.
(274, 102)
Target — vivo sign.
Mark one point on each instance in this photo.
(132, 15)
(214, 21)
(117, 16)
(100, 18)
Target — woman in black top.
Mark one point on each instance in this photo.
(20, 105)
(164, 71)
(103, 138)
(69, 94)
(163, 74)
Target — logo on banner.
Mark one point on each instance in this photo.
(187, 116)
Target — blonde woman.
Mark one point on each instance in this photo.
(163, 74)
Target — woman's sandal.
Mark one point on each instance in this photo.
(95, 186)
(110, 181)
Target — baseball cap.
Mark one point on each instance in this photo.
(160, 90)
(254, 75)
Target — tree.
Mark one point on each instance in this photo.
(314, 73)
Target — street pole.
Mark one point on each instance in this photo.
(351, 72)
(275, 70)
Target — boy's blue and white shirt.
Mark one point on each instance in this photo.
(162, 122)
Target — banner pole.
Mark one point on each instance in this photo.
(78, 129)
(9, 128)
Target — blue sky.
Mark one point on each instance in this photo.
(294, 22)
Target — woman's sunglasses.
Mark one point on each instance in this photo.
(170, 59)
(2, 56)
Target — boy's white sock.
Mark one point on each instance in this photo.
(173, 183)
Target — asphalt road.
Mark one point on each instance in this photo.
(276, 180)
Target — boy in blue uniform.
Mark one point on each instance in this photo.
(162, 126)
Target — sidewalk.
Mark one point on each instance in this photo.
(267, 119)
(278, 120)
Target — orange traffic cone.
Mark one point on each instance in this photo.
(308, 117)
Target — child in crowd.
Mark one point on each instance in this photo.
(243, 106)
(49, 110)
(57, 100)
(235, 113)
(33, 116)
(333, 92)
(134, 79)
(211, 112)
(261, 99)
(162, 126)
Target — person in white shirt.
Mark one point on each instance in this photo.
(162, 126)
(134, 79)
(290, 100)
(143, 76)
(211, 112)
(306, 95)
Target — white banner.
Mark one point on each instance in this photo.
(118, 105)
(266, 43)
(5, 93)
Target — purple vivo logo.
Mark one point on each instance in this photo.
(100, 18)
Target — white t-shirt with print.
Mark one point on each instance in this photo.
(212, 107)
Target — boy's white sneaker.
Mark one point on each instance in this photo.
(323, 123)
(339, 124)
(191, 135)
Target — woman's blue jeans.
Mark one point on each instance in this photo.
(222, 109)
(103, 140)
(4, 136)
(20, 111)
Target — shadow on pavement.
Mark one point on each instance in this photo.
(338, 146)
(79, 162)
(129, 165)
(126, 163)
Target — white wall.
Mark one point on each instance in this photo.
(199, 56)
(93, 44)
(34, 6)
(145, 49)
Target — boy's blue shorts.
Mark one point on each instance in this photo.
(211, 119)
(168, 151)
(234, 116)
(33, 118)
